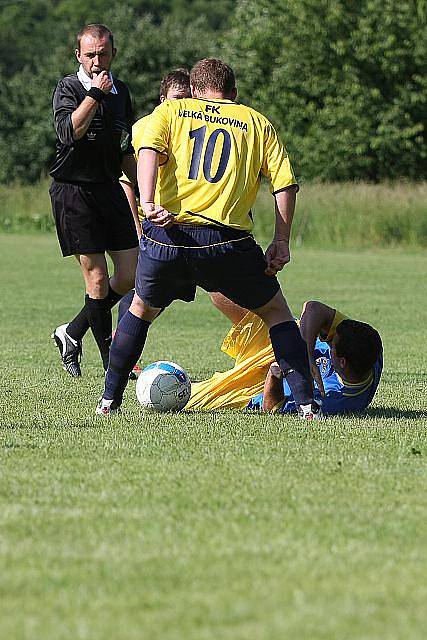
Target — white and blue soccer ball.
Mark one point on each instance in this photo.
(163, 386)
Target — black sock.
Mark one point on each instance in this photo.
(125, 351)
(112, 296)
(125, 303)
(100, 320)
(290, 351)
(79, 325)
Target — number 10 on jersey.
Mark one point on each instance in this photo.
(198, 135)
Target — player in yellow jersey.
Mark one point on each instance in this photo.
(199, 166)
(175, 85)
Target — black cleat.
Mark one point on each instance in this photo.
(70, 350)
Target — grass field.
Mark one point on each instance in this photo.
(215, 526)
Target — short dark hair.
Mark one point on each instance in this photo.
(176, 78)
(211, 73)
(359, 343)
(97, 31)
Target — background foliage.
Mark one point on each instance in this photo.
(344, 82)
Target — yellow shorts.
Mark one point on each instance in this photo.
(248, 342)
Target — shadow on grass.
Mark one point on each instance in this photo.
(393, 412)
(370, 412)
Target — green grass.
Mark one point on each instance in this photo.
(347, 215)
(210, 526)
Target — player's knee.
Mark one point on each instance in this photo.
(141, 309)
(96, 282)
(310, 305)
(306, 305)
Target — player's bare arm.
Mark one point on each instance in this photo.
(148, 164)
(273, 388)
(316, 319)
(129, 172)
(129, 168)
(131, 198)
(83, 115)
(278, 254)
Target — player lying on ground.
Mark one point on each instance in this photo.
(69, 336)
(199, 167)
(348, 355)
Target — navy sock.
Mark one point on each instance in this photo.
(291, 354)
(125, 303)
(79, 325)
(125, 351)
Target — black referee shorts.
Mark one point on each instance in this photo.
(172, 262)
(92, 218)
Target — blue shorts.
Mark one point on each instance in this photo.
(172, 262)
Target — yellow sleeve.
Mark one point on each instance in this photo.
(276, 166)
(338, 318)
(156, 132)
(137, 133)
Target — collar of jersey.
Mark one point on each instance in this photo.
(355, 388)
(221, 101)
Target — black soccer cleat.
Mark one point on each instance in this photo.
(70, 351)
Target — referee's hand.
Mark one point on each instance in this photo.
(103, 81)
(276, 256)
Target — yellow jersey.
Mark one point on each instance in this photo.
(213, 153)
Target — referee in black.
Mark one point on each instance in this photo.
(93, 122)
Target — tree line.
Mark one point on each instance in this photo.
(344, 82)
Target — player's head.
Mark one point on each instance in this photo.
(175, 85)
(211, 77)
(95, 49)
(355, 348)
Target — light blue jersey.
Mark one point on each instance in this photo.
(341, 396)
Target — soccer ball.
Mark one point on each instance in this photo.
(163, 386)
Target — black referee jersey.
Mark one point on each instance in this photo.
(97, 156)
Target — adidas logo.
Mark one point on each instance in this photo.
(91, 135)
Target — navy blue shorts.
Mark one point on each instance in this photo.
(172, 262)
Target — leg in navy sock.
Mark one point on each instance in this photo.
(125, 351)
(291, 354)
(124, 304)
